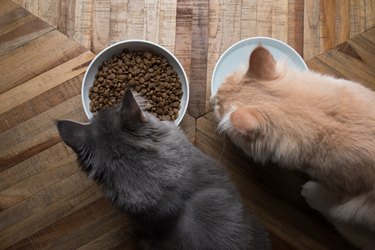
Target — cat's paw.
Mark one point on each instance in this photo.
(317, 196)
(309, 190)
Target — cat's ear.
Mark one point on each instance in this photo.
(72, 133)
(245, 120)
(130, 110)
(262, 65)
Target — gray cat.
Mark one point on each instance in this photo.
(177, 197)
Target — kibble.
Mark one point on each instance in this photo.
(148, 74)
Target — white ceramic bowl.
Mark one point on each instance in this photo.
(133, 45)
(236, 57)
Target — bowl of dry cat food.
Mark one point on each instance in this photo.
(147, 68)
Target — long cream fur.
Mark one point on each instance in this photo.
(311, 122)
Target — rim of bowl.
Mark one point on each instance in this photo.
(249, 39)
(179, 118)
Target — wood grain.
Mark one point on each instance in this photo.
(36, 57)
(73, 222)
(353, 60)
(296, 25)
(45, 81)
(24, 29)
(183, 43)
(44, 133)
(329, 23)
(41, 103)
(45, 200)
(342, 22)
(198, 76)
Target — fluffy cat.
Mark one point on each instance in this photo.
(310, 122)
(177, 197)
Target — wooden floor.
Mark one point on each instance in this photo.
(45, 47)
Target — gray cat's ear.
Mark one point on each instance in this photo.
(72, 133)
(130, 110)
(262, 65)
(245, 120)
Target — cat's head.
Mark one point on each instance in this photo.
(245, 100)
(112, 136)
(238, 97)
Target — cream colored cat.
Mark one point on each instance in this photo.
(310, 122)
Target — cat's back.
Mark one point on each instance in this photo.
(322, 101)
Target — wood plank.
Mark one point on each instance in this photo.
(91, 232)
(370, 14)
(36, 57)
(37, 134)
(248, 18)
(63, 15)
(311, 39)
(151, 18)
(369, 35)
(45, 81)
(295, 25)
(33, 206)
(350, 67)
(18, 26)
(327, 27)
(44, 9)
(126, 20)
(7, 6)
(133, 20)
(317, 65)
(342, 26)
(188, 126)
(183, 42)
(83, 23)
(45, 208)
(329, 23)
(33, 165)
(66, 17)
(357, 17)
(40, 103)
(353, 60)
(70, 223)
(198, 78)
(361, 48)
(264, 18)
(74, 20)
(111, 239)
(218, 42)
(100, 25)
(167, 24)
(28, 187)
(280, 20)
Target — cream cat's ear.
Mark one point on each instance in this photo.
(262, 65)
(245, 120)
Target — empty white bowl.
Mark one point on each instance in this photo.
(133, 45)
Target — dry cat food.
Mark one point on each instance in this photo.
(148, 74)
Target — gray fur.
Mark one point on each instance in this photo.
(177, 197)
